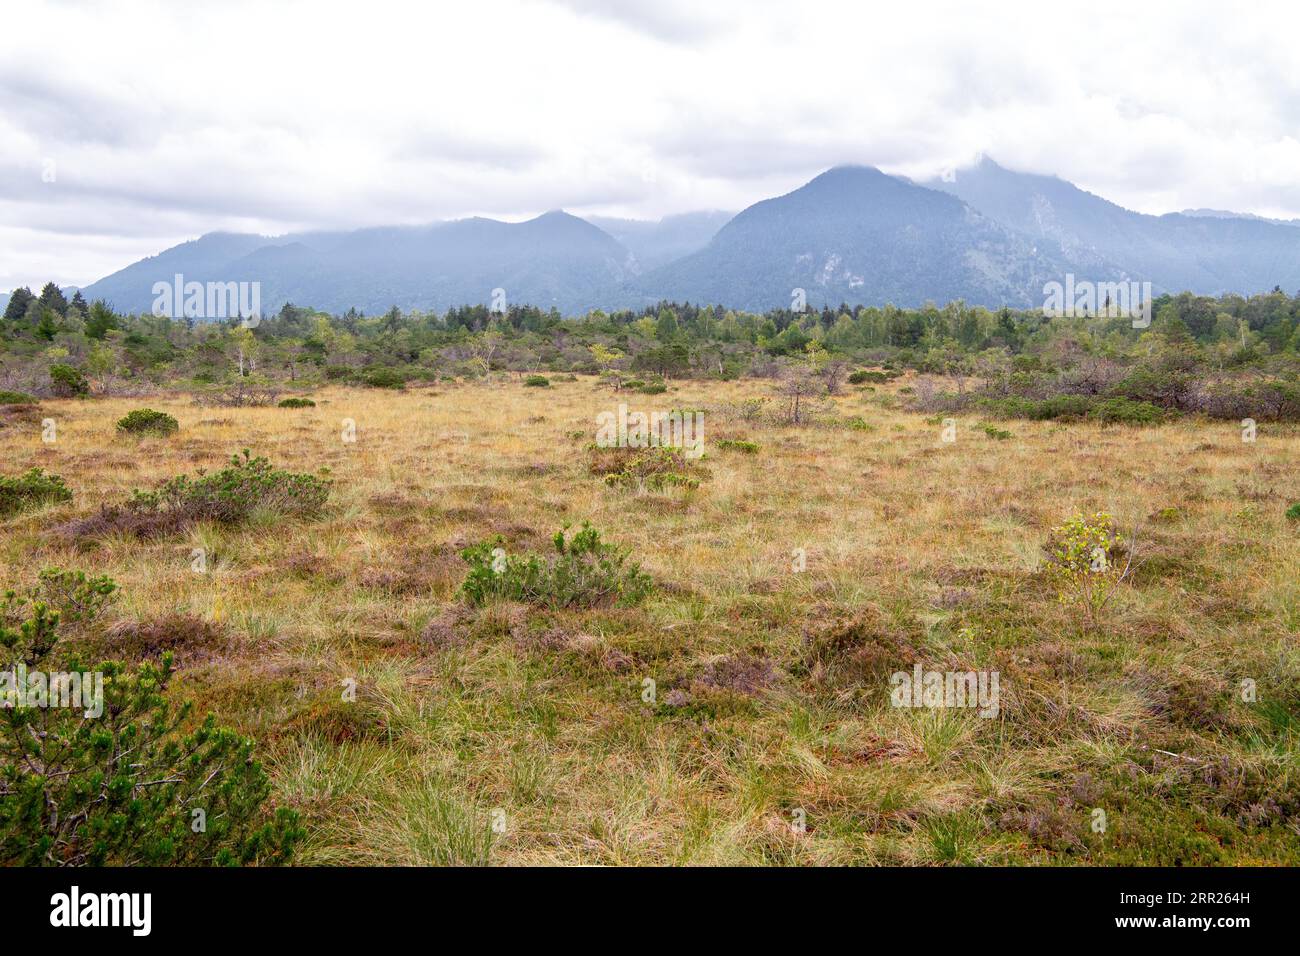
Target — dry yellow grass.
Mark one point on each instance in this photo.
(536, 719)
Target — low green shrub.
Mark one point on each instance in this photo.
(236, 491)
(738, 444)
(1293, 513)
(15, 398)
(867, 376)
(1126, 411)
(229, 497)
(858, 424)
(123, 782)
(67, 381)
(28, 490)
(297, 403)
(1079, 558)
(655, 468)
(1114, 410)
(583, 572)
(1058, 407)
(996, 433)
(146, 421)
(537, 381)
(653, 388)
(384, 378)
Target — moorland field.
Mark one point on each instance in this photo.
(740, 712)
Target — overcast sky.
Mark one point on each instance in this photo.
(126, 127)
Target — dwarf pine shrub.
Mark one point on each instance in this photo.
(583, 572)
(79, 598)
(28, 490)
(1293, 513)
(537, 381)
(123, 783)
(229, 496)
(232, 494)
(146, 421)
(738, 444)
(16, 398)
(297, 403)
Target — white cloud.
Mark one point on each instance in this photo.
(167, 120)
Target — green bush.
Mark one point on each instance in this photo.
(30, 489)
(1166, 389)
(738, 444)
(384, 378)
(653, 388)
(1058, 407)
(1079, 560)
(297, 403)
(858, 424)
(122, 783)
(1127, 412)
(15, 398)
(229, 496)
(537, 381)
(145, 421)
(654, 468)
(867, 376)
(232, 494)
(1293, 513)
(996, 433)
(68, 381)
(583, 572)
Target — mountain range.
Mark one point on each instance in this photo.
(986, 234)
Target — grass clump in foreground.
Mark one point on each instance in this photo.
(146, 421)
(228, 497)
(107, 775)
(583, 572)
(28, 490)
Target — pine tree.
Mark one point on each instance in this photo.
(16, 310)
(52, 297)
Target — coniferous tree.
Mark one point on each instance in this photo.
(52, 297)
(16, 310)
